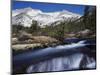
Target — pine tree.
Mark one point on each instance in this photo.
(89, 18)
(34, 27)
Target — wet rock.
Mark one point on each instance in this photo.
(85, 32)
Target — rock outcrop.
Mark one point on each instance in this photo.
(26, 41)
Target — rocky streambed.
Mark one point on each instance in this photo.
(32, 42)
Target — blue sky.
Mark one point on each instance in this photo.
(48, 7)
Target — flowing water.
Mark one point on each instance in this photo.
(75, 56)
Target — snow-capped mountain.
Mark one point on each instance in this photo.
(26, 15)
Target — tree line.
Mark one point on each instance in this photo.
(87, 21)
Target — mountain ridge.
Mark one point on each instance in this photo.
(26, 15)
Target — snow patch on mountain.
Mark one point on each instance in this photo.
(26, 15)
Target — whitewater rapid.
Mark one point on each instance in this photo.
(75, 56)
(71, 62)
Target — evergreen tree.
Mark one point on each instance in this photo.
(34, 27)
(89, 18)
(60, 32)
(17, 28)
